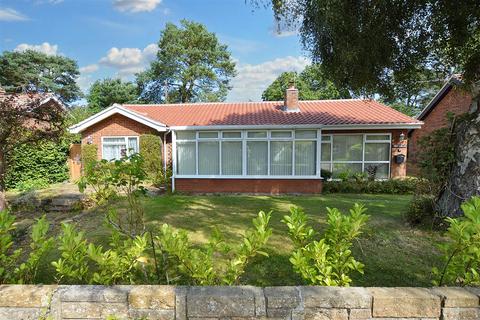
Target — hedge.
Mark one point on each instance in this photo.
(36, 165)
(88, 154)
(391, 186)
(151, 151)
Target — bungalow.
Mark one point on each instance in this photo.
(259, 147)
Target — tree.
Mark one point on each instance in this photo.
(311, 83)
(32, 71)
(367, 46)
(191, 66)
(26, 123)
(104, 93)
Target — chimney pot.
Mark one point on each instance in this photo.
(291, 98)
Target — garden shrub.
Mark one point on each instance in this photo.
(151, 151)
(33, 166)
(12, 268)
(364, 185)
(215, 263)
(328, 261)
(461, 254)
(421, 209)
(89, 154)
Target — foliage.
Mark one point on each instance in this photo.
(215, 263)
(121, 177)
(104, 93)
(82, 262)
(328, 261)
(151, 151)
(89, 154)
(462, 252)
(33, 71)
(385, 43)
(191, 65)
(15, 129)
(312, 84)
(34, 166)
(12, 270)
(363, 185)
(326, 174)
(421, 210)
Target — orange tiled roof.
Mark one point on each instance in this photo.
(322, 112)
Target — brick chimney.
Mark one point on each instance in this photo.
(291, 99)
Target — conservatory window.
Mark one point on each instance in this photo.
(115, 148)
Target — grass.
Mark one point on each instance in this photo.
(394, 253)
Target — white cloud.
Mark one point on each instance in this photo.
(253, 79)
(89, 69)
(7, 14)
(47, 48)
(128, 61)
(135, 5)
(84, 82)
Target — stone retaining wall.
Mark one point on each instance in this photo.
(236, 303)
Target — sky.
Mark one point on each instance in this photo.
(117, 38)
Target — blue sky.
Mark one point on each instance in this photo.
(116, 38)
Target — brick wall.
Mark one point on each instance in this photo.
(270, 186)
(239, 303)
(116, 125)
(456, 101)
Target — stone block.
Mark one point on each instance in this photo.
(460, 313)
(152, 297)
(20, 313)
(456, 297)
(279, 313)
(151, 314)
(475, 291)
(336, 297)
(220, 302)
(405, 303)
(88, 293)
(325, 314)
(26, 296)
(181, 303)
(359, 314)
(87, 310)
(282, 297)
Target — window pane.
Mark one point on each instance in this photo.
(377, 137)
(306, 134)
(112, 152)
(257, 158)
(305, 158)
(132, 145)
(208, 158)
(346, 167)
(120, 140)
(281, 158)
(208, 135)
(381, 169)
(326, 166)
(232, 158)
(347, 148)
(281, 134)
(326, 138)
(185, 135)
(377, 151)
(232, 135)
(186, 157)
(257, 134)
(326, 152)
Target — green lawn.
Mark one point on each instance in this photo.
(394, 253)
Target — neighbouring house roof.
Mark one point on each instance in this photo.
(24, 99)
(348, 113)
(451, 82)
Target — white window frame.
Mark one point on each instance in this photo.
(126, 143)
(364, 141)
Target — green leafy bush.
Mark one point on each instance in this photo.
(421, 210)
(82, 262)
(122, 177)
(462, 251)
(88, 154)
(364, 185)
(215, 263)
(151, 151)
(328, 261)
(33, 166)
(12, 269)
